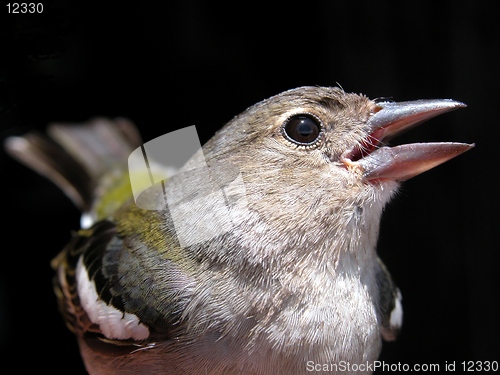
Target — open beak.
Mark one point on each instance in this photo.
(403, 162)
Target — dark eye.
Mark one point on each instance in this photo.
(302, 129)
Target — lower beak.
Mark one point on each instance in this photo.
(403, 162)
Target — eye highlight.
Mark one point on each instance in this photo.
(302, 129)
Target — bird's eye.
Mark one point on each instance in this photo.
(302, 129)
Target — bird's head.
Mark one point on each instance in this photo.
(315, 159)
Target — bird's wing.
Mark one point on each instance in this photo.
(117, 293)
(119, 281)
(390, 308)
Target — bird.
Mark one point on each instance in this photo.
(259, 258)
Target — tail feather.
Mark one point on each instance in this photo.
(75, 157)
(97, 144)
(46, 157)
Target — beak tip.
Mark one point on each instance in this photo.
(454, 104)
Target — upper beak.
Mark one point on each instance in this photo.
(406, 161)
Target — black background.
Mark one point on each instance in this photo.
(172, 65)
